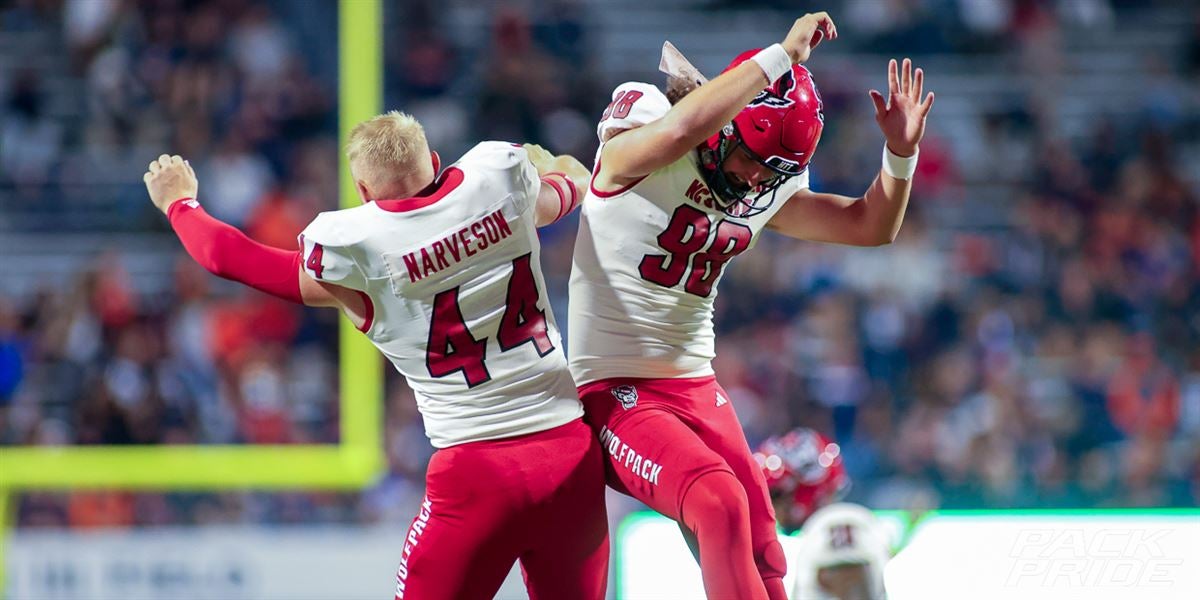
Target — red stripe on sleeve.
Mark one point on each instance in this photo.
(562, 197)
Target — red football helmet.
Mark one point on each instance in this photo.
(780, 129)
(805, 466)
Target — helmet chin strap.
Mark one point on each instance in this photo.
(724, 193)
(714, 163)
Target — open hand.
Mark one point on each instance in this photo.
(170, 178)
(901, 116)
(541, 158)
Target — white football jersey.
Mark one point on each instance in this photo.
(459, 304)
(838, 534)
(648, 259)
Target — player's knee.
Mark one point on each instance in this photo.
(770, 559)
(716, 499)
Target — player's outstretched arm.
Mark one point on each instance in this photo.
(564, 182)
(637, 152)
(222, 249)
(874, 218)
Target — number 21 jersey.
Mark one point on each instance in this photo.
(648, 258)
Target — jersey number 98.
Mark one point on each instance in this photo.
(686, 239)
(621, 105)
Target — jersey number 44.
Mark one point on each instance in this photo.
(452, 348)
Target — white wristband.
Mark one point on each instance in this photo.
(900, 167)
(774, 61)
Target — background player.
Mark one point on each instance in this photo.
(442, 273)
(840, 555)
(804, 472)
(676, 193)
(842, 548)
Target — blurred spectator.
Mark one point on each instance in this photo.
(259, 44)
(85, 22)
(519, 79)
(1143, 395)
(29, 143)
(235, 180)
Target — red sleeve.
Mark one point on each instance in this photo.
(226, 252)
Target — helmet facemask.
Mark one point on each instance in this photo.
(735, 200)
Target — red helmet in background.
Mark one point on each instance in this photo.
(806, 467)
(779, 129)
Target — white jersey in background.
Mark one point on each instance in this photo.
(648, 259)
(838, 534)
(456, 296)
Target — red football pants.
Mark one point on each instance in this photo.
(537, 498)
(676, 445)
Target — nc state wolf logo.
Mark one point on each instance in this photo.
(626, 395)
(778, 95)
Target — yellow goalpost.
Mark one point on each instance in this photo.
(352, 463)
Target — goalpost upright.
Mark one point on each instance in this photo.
(353, 463)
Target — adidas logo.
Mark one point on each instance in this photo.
(721, 401)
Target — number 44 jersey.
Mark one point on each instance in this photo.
(457, 301)
(648, 259)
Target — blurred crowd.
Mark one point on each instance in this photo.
(225, 82)
(1048, 360)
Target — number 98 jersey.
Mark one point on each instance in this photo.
(456, 296)
(648, 258)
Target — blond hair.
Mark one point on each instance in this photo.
(387, 148)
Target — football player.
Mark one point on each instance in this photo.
(804, 472)
(840, 555)
(441, 271)
(677, 192)
(842, 548)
